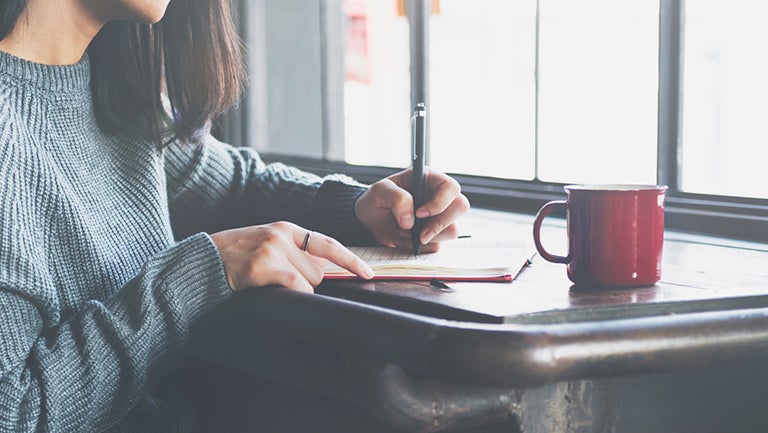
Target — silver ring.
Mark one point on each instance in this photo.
(305, 244)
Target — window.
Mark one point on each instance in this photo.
(598, 85)
(476, 99)
(596, 95)
(556, 91)
(482, 87)
(376, 87)
(725, 98)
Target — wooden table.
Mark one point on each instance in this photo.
(534, 355)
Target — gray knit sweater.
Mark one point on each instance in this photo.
(104, 256)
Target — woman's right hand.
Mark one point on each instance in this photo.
(272, 254)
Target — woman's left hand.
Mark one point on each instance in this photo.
(386, 209)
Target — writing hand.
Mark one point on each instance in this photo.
(386, 209)
(267, 254)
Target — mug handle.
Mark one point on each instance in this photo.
(543, 212)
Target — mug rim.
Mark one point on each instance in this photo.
(618, 187)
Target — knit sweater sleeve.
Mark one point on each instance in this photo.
(213, 186)
(86, 373)
(85, 369)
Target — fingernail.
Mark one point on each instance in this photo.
(422, 213)
(406, 219)
(368, 273)
(426, 237)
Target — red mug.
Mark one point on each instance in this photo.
(615, 234)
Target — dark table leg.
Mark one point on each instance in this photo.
(733, 400)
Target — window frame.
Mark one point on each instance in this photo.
(722, 216)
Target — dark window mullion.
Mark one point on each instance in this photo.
(670, 93)
(419, 12)
(332, 71)
(536, 83)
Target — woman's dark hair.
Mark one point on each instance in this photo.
(193, 56)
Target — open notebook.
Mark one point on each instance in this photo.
(456, 261)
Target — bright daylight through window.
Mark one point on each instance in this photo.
(725, 105)
(563, 91)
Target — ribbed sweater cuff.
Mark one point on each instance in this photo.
(333, 213)
(197, 279)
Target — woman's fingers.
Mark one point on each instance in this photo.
(290, 277)
(403, 240)
(281, 253)
(386, 208)
(404, 244)
(444, 191)
(328, 248)
(442, 227)
(391, 196)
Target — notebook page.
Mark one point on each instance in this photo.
(457, 258)
(449, 260)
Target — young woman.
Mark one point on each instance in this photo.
(122, 220)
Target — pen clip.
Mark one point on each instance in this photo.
(419, 111)
(413, 137)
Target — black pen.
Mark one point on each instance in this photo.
(418, 141)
